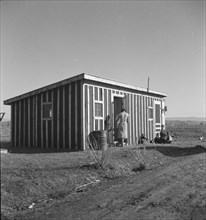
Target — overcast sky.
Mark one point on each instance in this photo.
(43, 42)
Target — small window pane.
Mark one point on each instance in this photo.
(96, 93)
(100, 94)
(101, 124)
(150, 113)
(96, 124)
(47, 110)
(99, 109)
(157, 113)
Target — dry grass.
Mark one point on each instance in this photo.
(47, 178)
(44, 179)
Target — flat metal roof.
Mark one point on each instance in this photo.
(81, 77)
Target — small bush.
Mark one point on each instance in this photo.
(139, 168)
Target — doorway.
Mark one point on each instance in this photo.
(118, 105)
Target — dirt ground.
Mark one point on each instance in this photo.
(158, 182)
(175, 191)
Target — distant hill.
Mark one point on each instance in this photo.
(185, 119)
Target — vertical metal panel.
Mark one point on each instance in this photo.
(83, 115)
(52, 122)
(109, 103)
(58, 107)
(76, 117)
(34, 115)
(11, 121)
(29, 122)
(138, 117)
(63, 111)
(73, 110)
(79, 115)
(47, 132)
(70, 142)
(19, 124)
(105, 104)
(26, 118)
(15, 124)
(130, 113)
(147, 121)
(66, 116)
(86, 110)
(94, 94)
(23, 122)
(141, 113)
(42, 129)
(145, 110)
(49, 124)
(134, 120)
(91, 108)
(39, 117)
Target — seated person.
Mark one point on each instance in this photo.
(169, 138)
(142, 139)
(157, 138)
(163, 137)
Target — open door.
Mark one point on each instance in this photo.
(118, 105)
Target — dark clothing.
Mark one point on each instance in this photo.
(142, 139)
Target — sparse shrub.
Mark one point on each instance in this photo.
(98, 156)
(139, 168)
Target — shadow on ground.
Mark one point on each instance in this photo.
(174, 151)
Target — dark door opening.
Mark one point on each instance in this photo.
(118, 105)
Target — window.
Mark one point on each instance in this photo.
(157, 113)
(98, 109)
(47, 110)
(150, 113)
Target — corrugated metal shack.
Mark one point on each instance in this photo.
(61, 115)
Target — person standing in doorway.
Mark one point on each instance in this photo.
(122, 121)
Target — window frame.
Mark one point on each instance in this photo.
(51, 111)
(150, 108)
(99, 100)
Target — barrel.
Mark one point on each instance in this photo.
(101, 139)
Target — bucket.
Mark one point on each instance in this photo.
(101, 139)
